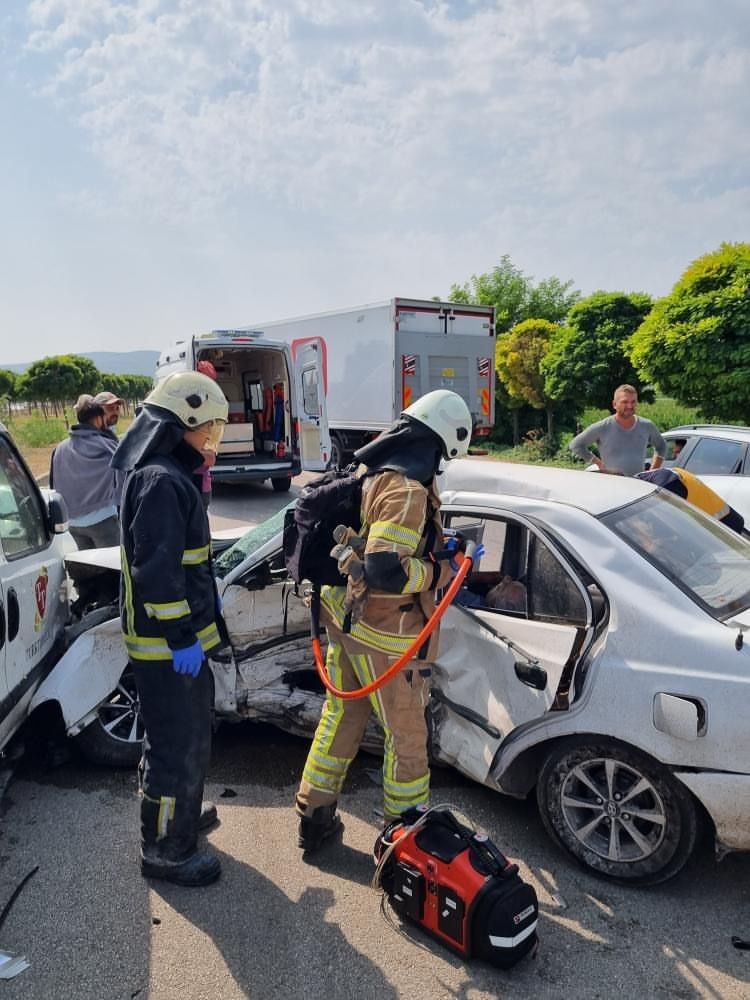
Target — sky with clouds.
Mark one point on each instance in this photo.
(169, 166)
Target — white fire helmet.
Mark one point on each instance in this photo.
(195, 399)
(448, 416)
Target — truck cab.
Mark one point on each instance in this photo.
(277, 408)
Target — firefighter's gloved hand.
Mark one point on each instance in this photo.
(453, 546)
(188, 661)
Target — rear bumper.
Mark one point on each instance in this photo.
(726, 798)
(255, 470)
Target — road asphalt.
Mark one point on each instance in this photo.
(278, 926)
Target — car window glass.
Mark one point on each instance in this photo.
(675, 449)
(22, 522)
(713, 455)
(518, 574)
(310, 402)
(251, 541)
(705, 560)
(552, 592)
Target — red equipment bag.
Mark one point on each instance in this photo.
(454, 882)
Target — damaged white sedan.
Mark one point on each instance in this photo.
(596, 656)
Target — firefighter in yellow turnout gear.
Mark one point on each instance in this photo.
(402, 528)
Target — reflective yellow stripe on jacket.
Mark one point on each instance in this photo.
(141, 647)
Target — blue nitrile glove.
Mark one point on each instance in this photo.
(188, 661)
(452, 544)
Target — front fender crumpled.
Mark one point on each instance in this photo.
(85, 675)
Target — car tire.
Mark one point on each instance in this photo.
(281, 484)
(115, 737)
(641, 845)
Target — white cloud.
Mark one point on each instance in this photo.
(589, 138)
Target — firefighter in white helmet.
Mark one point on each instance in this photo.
(171, 616)
(402, 527)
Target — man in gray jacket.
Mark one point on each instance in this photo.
(622, 439)
(80, 471)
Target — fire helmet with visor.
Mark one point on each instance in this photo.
(447, 415)
(195, 399)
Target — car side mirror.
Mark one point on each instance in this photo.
(57, 514)
(531, 674)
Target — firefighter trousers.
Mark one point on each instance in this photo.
(176, 713)
(399, 705)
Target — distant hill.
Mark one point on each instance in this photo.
(114, 362)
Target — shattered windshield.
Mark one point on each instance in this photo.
(251, 541)
(707, 561)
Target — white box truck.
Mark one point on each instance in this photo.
(277, 417)
(378, 359)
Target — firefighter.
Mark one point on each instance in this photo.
(171, 616)
(402, 527)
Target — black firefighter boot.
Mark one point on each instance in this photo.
(174, 857)
(316, 828)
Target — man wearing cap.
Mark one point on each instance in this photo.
(111, 405)
(80, 471)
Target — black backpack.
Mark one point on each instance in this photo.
(332, 499)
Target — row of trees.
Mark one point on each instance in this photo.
(559, 353)
(54, 383)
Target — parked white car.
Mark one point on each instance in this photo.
(719, 455)
(618, 688)
(33, 586)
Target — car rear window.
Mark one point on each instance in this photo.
(704, 559)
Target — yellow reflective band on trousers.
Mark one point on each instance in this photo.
(143, 647)
(401, 795)
(387, 642)
(167, 612)
(322, 770)
(128, 587)
(192, 557)
(166, 805)
(390, 531)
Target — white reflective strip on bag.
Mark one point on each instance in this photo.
(511, 942)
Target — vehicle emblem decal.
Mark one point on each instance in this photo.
(40, 593)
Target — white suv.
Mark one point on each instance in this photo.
(719, 455)
(33, 590)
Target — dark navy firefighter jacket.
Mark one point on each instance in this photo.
(168, 596)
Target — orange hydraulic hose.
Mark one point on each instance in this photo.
(405, 657)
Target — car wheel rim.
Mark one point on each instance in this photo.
(120, 716)
(613, 810)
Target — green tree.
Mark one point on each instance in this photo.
(518, 355)
(57, 380)
(8, 388)
(695, 344)
(515, 296)
(588, 358)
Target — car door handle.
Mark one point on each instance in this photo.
(14, 614)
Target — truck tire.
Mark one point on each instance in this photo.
(337, 453)
(281, 484)
(115, 737)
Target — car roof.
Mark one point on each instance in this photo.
(594, 492)
(731, 431)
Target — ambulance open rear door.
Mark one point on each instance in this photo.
(309, 358)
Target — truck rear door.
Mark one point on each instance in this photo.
(309, 375)
(447, 346)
